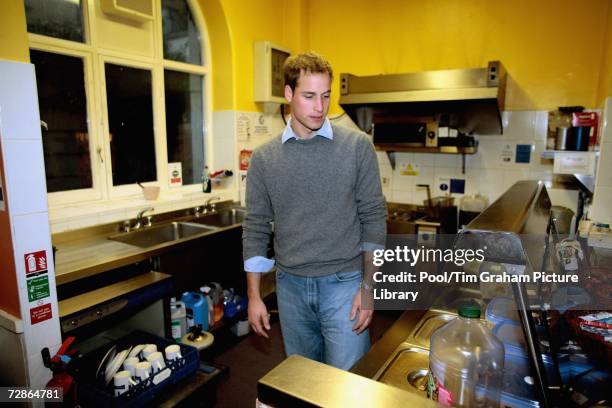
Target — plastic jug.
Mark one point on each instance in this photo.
(466, 362)
(178, 320)
(197, 309)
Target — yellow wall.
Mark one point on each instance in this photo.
(13, 31)
(278, 21)
(551, 48)
(605, 81)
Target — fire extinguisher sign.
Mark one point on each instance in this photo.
(35, 263)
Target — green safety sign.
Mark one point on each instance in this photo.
(38, 288)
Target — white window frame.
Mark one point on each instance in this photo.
(94, 58)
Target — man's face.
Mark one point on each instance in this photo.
(309, 103)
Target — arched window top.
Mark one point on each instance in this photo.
(181, 36)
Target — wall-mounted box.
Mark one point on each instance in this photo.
(137, 10)
(269, 84)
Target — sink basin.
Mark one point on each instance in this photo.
(156, 235)
(223, 218)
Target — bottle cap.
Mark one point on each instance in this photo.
(471, 311)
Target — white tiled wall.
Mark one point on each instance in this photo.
(601, 210)
(485, 173)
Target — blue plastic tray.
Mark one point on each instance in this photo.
(92, 393)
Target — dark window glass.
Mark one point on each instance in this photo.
(184, 123)
(181, 35)
(63, 110)
(130, 122)
(56, 18)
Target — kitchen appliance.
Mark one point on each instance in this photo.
(466, 100)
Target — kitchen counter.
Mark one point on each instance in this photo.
(87, 252)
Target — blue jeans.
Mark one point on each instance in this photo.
(314, 315)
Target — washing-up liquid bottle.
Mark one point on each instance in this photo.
(205, 290)
(178, 322)
(466, 362)
(206, 184)
(197, 309)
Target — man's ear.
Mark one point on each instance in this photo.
(288, 93)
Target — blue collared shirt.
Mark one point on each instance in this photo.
(262, 264)
(325, 131)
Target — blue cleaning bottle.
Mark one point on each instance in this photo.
(197, 309)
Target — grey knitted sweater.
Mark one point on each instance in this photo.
(324, 198)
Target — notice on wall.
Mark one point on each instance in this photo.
(35, 263)
(574, 163)
(261, 128)
(40, 313)
(523, 153)
(2, 206)
(243, 127)
(175, 174)
(38, 288)
(507, 153)
(409, 169)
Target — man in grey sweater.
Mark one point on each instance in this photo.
(317, 186)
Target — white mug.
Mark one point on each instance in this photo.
(143, 371)
(173, 352)
(157, 361)
(122, 381)
(130, 365)
(149, 348)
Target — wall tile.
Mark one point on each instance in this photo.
(19, 115)
(601, 210)
(541, 126)
(25, 175)
(405, 197)
(447, 160)
(519, 124)
(424, 159)
(604, 170)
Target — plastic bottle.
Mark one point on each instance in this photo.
(197, 309)
(205, 290)
(206, 185)
(178, 322)
(466, 362)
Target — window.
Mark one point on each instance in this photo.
(55, 18)
(117, 113)
(130, 123)
(184, 123)
(63, 115)
(181, 36)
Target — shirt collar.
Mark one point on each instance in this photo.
(325, 131)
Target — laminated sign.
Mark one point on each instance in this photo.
(35, 263)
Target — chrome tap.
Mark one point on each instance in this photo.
(139, 218)
(210, 206)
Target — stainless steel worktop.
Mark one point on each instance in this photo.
(87, 252)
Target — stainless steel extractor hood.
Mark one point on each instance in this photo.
(472, 98)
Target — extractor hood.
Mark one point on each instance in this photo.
(472, 99)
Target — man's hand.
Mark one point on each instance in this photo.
(365, 315)
(258, 317)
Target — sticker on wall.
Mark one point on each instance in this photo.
(38, 288)
(245, 159)
(523, 153)
(35, 263)
(175, 174)
(40, 313)
(409, 169)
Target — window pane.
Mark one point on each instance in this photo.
(181, 35)
(130, 122)
(184, 123)
(63, 107)
(56, 18)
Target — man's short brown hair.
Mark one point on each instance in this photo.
(306, 63)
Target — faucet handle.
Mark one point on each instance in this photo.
(148, 223)
(127, 225)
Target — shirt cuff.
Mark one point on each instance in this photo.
(258, 264)
(371, 247)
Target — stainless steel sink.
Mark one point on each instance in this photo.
(150, 236)
(408, 366)
(222, 218)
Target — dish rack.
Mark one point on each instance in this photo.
(93, 392)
